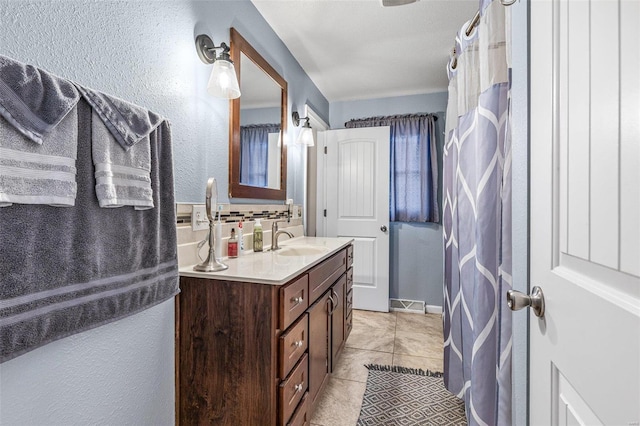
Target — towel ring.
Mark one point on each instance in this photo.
(507, 3)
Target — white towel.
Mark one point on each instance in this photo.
(44, 173)
(122, 177)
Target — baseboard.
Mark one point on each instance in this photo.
(434, 309)
(403, 305)
(413, 306)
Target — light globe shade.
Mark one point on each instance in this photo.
(305, 137)
(223, 82)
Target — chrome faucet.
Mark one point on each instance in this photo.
(275, 234)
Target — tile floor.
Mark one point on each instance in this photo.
(394, 338)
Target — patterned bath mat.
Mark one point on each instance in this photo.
(408, 396)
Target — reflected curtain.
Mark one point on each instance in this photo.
(254, 153)
(477, 221)
(413, 194)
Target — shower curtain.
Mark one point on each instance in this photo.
(477, 220)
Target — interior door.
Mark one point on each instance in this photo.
(585, 226)
(357, 206)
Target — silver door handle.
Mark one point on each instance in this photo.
(517, 300)
(383, 228)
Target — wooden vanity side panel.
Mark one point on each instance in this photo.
(227, 351)
(176, 360)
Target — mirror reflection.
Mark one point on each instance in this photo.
(260, 127)
(257, 122)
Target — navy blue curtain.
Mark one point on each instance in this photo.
(254, 153)
(413, 195)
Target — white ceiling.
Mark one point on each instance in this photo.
(357, 49)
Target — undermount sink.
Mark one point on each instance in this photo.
(301, 250)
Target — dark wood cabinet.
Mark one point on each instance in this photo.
(337, 320)
(258, 354)
(319, 323)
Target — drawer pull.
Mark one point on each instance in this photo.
(297, 300)
(298, 344)
(298, 388)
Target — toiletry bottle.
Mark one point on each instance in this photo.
(232, 245)
(240, 239)
(218, 239)
(257, 236)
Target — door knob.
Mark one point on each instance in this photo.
(383, 228)
(517, 300)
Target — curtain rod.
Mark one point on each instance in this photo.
(399, 116)
(474, 23)
(476, 18)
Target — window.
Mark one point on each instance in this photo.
(414, 168)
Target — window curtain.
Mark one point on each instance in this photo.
(413, 195)
(254, 153)
(477, 220)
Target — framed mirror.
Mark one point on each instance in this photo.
(258, 123)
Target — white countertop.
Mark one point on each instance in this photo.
(272, 267)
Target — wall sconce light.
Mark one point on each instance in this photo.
(223, 82)
(305, 137)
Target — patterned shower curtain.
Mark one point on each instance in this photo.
(477, 220)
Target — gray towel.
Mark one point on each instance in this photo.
(39, 174)
(36, 106)
(32, 100)
(122, 177)
(122, 169)
(128, 123)
(63, 271)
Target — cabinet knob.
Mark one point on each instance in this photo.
(298, 344)
(297, 300)
(298, 388)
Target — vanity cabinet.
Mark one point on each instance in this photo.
(259, 354)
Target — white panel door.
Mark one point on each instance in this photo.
(357, 200)
(584, 212)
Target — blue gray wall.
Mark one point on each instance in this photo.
(142, 51)
(415, 251)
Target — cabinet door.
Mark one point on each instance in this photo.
(337, 319)
(319, 326)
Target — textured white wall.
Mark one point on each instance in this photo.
(144, 52)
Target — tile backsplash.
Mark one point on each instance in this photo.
(230, 216)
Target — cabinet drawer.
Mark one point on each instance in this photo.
(294, 300)
(349, 256)
(292, 389)
(349, 304)
(293, 344)
(349, 278)
(324, 275)
(301, 416)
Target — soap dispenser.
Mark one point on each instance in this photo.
(232, 245)
(257, 236)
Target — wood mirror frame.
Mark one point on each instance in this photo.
(236, 189)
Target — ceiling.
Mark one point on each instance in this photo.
(358, 49)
